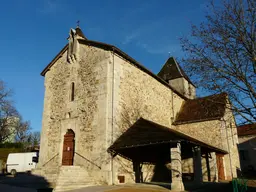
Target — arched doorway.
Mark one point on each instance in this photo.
(68, 148)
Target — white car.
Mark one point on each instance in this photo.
(21, 162)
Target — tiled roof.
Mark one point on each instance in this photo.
(145, 132)
(202, 109)
(172, 70)
(244, 130)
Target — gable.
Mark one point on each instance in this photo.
(60, 54)
(117, 51)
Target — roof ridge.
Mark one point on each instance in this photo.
(217, 94)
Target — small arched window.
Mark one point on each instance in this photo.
(72, 96)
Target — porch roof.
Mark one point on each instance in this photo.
(145, 133)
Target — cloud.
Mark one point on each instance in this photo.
(131, 37)
(148, 29)
(160, 48)
(51, 6)
(151, 38)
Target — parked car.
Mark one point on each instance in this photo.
(21, 162)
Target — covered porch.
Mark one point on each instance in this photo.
(165, 148)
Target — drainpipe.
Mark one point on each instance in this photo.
(112, 126)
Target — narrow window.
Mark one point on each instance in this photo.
(72, 91)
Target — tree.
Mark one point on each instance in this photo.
(22, 130)
(11, 123)
(221, 55)
(35, 138)
(8, 113)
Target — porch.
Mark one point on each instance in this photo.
(165, 148)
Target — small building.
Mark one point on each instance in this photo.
(109, 120)
(247, 147)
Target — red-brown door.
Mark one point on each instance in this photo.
(220, 165)
(68, 148)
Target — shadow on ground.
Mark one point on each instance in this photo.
(217, 187)
(208, 186)
(26, 180)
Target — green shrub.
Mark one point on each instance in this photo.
(12, 145)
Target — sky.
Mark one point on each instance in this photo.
(33, 32)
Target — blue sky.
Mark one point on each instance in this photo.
(33, 32)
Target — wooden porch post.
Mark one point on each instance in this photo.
(198, 177)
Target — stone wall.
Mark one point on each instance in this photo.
(205, 131)
(54, 102)
(218, 133)
(86, 115)
(230, 140)
(213, 168)
(184, 87)
(137, 94)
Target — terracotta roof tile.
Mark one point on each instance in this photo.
(202, 109)
(145, 132)
(244, 130)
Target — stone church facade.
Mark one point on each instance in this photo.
(95, 93)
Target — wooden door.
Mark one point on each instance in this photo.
(220, 165)
(68, 148)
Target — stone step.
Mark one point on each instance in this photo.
(75, 178)
(75, 174)
(70, 167)
(70, 187)
(72, 177)
(59, 182)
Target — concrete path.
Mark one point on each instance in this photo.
(9, 188)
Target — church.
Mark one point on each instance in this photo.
(108, 120)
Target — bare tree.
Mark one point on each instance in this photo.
(221, 55)
(8, 113)
(22, 130)
(35, 138)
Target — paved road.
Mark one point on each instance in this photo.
(9, 188)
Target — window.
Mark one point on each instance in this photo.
(72, 96)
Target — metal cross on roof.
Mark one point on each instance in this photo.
(78, 22)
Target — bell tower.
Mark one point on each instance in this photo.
(173, 74)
